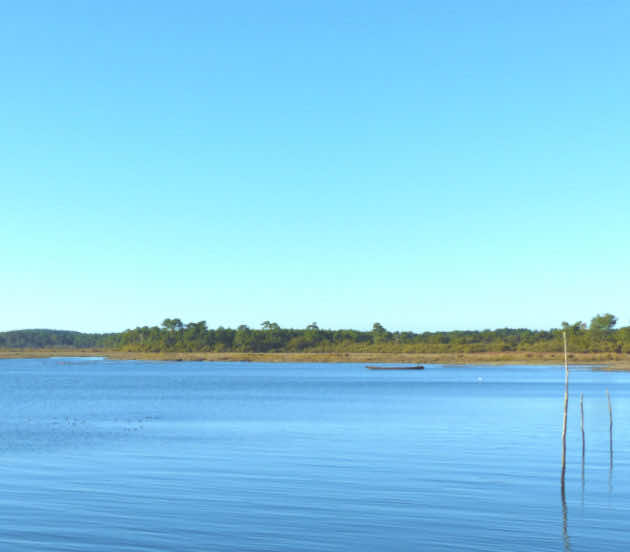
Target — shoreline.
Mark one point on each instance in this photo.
(611, 361)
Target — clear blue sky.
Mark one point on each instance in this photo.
(427, 165)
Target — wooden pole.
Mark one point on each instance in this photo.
(565, 530)
(566, 408)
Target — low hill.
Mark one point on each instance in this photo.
(50, 339)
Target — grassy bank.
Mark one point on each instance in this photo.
(610, 360)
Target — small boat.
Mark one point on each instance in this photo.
(417, 367)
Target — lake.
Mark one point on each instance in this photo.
(102, 455)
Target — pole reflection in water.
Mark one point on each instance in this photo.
(610, 468)
(565, 523)
(583, 440)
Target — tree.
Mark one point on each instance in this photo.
(224, 338)
(311, 336)
(601, 332)
(173, 324)
(244, 339)
(574, 328)
(603, 323)
(379, 333)
(195, 336)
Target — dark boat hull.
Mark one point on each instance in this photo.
(395, 367)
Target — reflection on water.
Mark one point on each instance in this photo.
(111, 455)
(565, 522)
(610, 431)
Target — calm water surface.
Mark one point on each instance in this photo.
(99, 455)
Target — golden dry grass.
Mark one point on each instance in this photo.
(611, 361)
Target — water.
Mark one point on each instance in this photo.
(99, 455)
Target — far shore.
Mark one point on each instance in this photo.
(611, 361)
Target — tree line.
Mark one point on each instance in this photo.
(600, 335)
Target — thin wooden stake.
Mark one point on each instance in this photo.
(565, 530)
(566, 408)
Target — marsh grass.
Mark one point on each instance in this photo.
(604, 361)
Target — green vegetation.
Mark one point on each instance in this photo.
(53, 339)
(175, 336)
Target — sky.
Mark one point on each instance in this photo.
(427, 165)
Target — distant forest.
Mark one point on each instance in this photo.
(600, 335)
